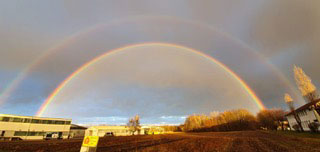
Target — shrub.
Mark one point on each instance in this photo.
(271, 119)
(233, 120)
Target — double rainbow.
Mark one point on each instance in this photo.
(60, 87)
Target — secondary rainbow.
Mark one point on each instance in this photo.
(47, 102)
(14, 84)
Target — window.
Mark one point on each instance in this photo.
(27, 120)
(35, 121)
(45, 121)
(6, 119)
(17, 120)
(20, 133)
(40, 133)
(60, 122)
(68, 122)
(32, 133)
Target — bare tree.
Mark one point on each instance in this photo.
(289, 101)
(306, 87)
(134, 124)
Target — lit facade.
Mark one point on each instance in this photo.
(307, 113)
(28, 127)
(115, 130)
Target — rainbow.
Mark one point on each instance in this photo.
(47, 102)
(14, 84)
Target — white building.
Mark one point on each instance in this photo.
(110, 130)
(307, 113)
(27, 127)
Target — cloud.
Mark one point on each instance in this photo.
(282, 24)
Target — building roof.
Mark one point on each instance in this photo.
(74, 126)
(304, 107)
(108, 127)
(33, 117)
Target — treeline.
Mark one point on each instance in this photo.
(172, 128)
(235, 120)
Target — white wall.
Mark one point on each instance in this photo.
(307, 116)
(11, 127)
(117, 131)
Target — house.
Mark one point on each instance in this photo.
(307, 113)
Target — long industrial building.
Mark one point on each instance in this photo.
(28, 127)
(122, 131)
(105, 130)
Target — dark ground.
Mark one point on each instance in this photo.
(246, 141)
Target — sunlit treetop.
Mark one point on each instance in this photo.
(303, 81)
(287, 98)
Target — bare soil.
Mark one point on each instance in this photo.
(246, 141)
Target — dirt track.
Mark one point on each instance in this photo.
(225, 141)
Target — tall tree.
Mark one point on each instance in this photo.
(306, 87)
(289, 101)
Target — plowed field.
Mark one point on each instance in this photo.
(246, 141)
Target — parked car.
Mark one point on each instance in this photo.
(53, 135)
(108, 134)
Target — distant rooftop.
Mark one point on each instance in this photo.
(10, 115)
(74, 126)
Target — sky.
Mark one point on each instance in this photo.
(43, 42)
